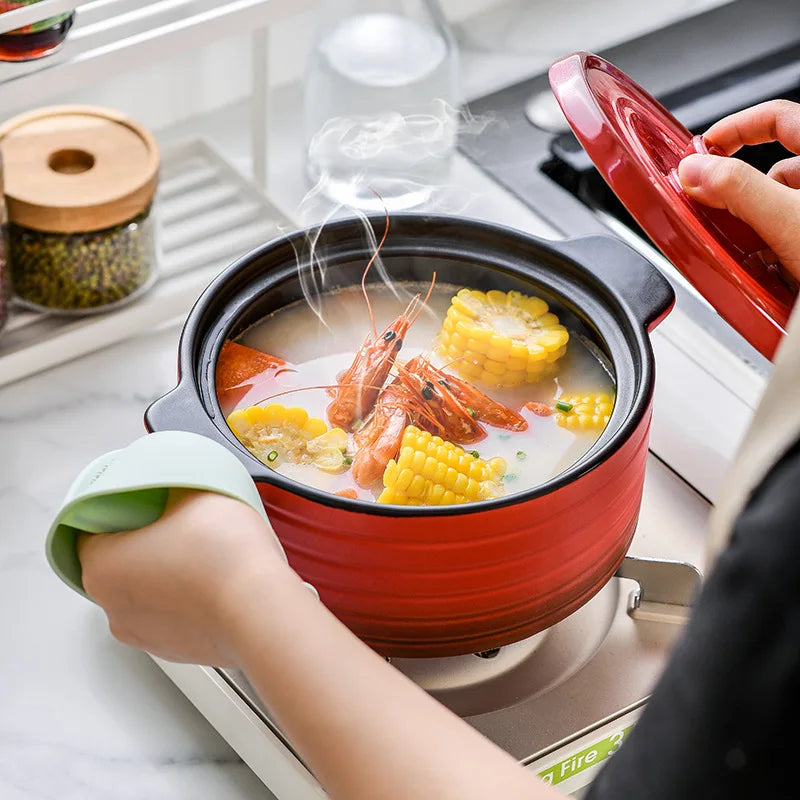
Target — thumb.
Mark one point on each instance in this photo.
(769, 207)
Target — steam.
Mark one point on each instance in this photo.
(395, 141)
(388, 161)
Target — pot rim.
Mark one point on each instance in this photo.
(606, 445)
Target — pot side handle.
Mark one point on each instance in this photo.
(180, 410)
(641, 286)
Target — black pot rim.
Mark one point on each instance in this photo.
(626, 299)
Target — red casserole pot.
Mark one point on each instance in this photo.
(450, 580)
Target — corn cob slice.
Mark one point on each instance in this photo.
(588, 412)
(275, 433)
(502, 338)
(432, 472)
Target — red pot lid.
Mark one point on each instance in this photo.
(637, 145)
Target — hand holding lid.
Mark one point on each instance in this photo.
(637, 145)
(768, 203)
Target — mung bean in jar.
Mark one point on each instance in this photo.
(80, 188)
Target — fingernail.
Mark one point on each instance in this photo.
(691, 170)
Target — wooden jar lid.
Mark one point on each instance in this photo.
(72, 169)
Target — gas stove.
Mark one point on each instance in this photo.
(562, 702)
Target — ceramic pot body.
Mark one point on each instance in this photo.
(451, 580)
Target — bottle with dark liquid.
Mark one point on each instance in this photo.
(35, 40)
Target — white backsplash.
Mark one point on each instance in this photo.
(519, 37)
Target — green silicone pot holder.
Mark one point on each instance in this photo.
(127, 489)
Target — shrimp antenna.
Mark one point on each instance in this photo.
(370, 262)
(411, 307)
(427, 297)
(317, 386)
(450, 364)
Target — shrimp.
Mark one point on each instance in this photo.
(378, 439)
(434, 401)
(437, 409)
(486, 410)
(359, 385)
(361, 382)
(458, 405)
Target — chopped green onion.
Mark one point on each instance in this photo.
(272, 455)
(504, 437)
(474, 453)
(562, 406)
(510, 476)
(471, 412)
(357, 424)
(348, 460)
(521, 456)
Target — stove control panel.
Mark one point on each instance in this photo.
(571, 767)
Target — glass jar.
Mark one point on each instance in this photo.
(83, 271)
(80, 188)
(35, 40)
(380, 102)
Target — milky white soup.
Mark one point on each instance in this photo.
(321, 351)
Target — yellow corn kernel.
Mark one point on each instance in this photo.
(429, 468)
(469, 369)
(430, 471)
(501, 338)
(315, 427)
(555, 355)
(404, 480)
(535, 306)
(237, 422)
(297, 416)
(390, 473)
(254, 414)
(416, 487)
(435, 495)
(494, 367)
(274, 413)
(519, 351)
(497, 466)
(458, 341)
(462, 307)
(589, 412)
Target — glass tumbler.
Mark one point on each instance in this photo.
(380, 102)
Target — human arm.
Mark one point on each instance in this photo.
(206, 583)
(769, 203)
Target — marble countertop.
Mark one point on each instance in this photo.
(82, 716)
